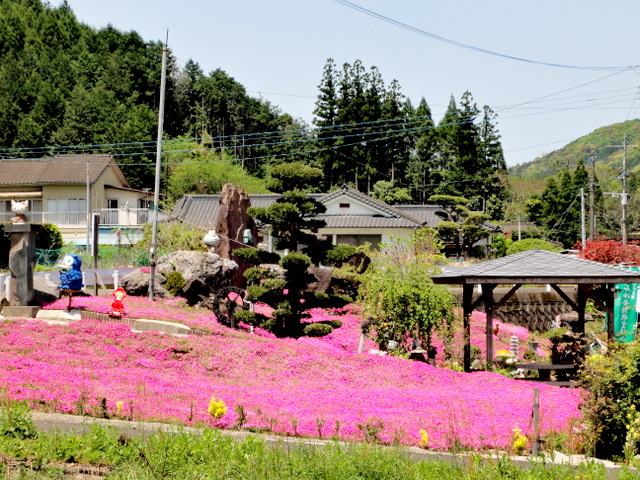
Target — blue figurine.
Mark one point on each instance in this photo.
(70, 273)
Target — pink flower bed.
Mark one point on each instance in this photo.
(309, 387)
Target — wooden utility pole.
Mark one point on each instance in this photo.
(624, 197)
(156, 193)
(592, 194)
(583, 230)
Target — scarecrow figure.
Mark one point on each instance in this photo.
(70, 273)
(117, 307)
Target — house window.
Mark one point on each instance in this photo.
(144, 205)
(110, 215)
(66, 211)
(359, 240)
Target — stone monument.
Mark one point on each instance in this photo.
(235, 227)
(22, 260)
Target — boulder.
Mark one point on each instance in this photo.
(44, 291)
(323, 279)
(204, 273)
(136, 283)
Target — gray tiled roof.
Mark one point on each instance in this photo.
(538, 266)
(202, 211)
(59, 170)
(431, 214)
(367, 221)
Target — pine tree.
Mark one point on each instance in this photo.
(287, 291)
(422, 170)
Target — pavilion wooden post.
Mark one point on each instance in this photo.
(582, 302)
(487, 296)
(467, 295)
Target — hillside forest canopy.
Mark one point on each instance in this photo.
(68, 88)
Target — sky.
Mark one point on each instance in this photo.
(531, 62)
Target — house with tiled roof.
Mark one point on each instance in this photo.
(351, 216)
(57, 189)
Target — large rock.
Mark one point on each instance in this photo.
(323, 279)
(44, 291)
(204, 273)
(136, 283)
(233, 220)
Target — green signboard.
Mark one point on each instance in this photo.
(625, 315)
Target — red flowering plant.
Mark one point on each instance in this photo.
(609, 251)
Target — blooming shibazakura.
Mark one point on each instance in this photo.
(306, 386)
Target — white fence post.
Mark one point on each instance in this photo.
(7, 287)
(116, 279)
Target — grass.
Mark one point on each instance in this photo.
(105, 452)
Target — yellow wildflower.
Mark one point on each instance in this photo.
(519, 444)
(217, 409)
(424, 439)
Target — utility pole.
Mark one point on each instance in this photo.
(624, 197)
(88, 210)
(156, 193)
(592, 194)
(583, 228)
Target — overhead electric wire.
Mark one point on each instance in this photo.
(440, 38)
(562, 91)
(259, 136)
(355, 128)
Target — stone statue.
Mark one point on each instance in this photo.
(19, 209)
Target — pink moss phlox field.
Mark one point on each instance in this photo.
(305, 386)
(501, 340)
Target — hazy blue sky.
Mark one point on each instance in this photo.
(278, 48)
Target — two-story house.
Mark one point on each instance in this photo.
(65, 190)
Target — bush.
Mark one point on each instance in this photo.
(610, 251)
(255, 257)
(529, 244)
(317, 330)
(612, 408)
(245, 316)
(16, 421)
(48, 237)
(340, 254)
(175, 283)
(172, 237)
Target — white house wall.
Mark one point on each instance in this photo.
(355, 207)
(385, 233)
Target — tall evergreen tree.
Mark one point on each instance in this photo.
(422, 170)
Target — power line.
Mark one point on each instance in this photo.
(425, 33)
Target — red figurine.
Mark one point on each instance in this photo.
(117, 307)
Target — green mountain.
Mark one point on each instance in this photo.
(600, 141)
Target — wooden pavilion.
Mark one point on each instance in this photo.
(534, 267)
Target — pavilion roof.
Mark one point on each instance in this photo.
(538, 267)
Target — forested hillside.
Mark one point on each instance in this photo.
(67, 88)
(605, 143)
(546, 190)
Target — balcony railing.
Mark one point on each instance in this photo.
(117, 217)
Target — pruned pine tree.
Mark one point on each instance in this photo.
(290, 218)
